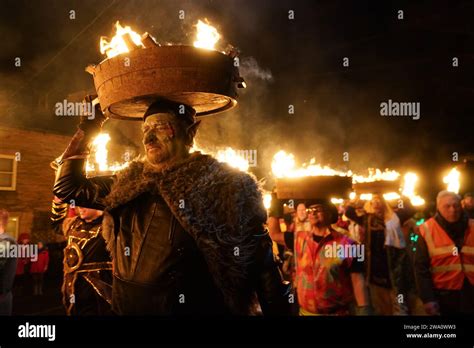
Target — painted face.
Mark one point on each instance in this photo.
(159, 137)
(450, 208)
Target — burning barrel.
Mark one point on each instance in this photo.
(204, 79)
(313, 187)
(378, 186)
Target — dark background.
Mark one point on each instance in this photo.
(296, 62)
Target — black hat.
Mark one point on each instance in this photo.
(328, 205)
(183, 112)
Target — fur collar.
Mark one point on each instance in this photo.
(223, 211)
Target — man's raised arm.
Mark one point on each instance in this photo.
(71, 185)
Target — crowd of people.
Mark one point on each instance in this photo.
(25, 272)
(179, 233)
(408, 262)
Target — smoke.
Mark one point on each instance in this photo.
(286, 64)
(250, 69)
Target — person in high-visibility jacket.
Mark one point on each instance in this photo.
(444, 259)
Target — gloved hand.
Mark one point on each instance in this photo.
(91, 124)
(88, 127)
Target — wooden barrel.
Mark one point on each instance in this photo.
(313, 187)
(204, 79)
(380, 186)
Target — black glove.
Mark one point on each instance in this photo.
(88, 127)
(92, 124)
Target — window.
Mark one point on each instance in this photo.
(7, 173)
(12, 226)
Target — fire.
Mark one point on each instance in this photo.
(100, 146)
(284, 166)
(118, 44)
(408, 190)
(228, 155)
(391, 196)
(231, 157)
(452, 179)
(100, 164)
(267, 200)
(376, 174)
(206, 36)
(337, 200)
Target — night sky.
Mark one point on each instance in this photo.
(287, 62)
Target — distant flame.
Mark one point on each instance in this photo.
(206, 36)
(452, 179)
(391, 196)
(284, 166)
(100, 145)
(100, 163)
(267, 200)
(231, 157)
(337, 200)
(408, 190)
(376, 174)
(118, 45)
(228, 155)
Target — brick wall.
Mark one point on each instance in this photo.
(32, 198)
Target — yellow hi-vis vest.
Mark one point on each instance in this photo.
(449, 266)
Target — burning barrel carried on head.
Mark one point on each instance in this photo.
(127, 85)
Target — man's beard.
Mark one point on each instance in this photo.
(157, 156)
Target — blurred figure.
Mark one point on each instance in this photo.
(38, 268)
(386, 257)
(23, 276)
(444, 259)
(326, 283)
(87, 283)
(468, 204)
(7, 266)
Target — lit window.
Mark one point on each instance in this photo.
(7, 173)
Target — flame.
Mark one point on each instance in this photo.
(228, 155)
(408, 190)
(284, 166)
(452, 179)
(337, 200)
(99, 148)
(206, 36)
(391, 196)
(118, 45)
(231, 157)
(100, 145)
(267, 200)
(376, 174)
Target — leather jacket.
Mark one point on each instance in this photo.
(158, 267)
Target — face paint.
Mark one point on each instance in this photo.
(160, 138)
